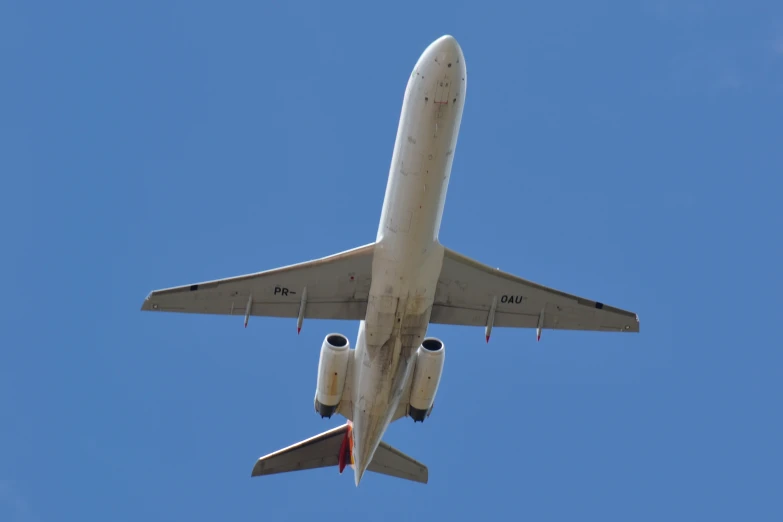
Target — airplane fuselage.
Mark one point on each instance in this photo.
(408, 256)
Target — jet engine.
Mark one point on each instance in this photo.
(426, 377)
(332, 372)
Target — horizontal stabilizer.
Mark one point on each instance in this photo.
(320, 451)
(323, 451)
(393, 462)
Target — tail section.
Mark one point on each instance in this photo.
(335, 448)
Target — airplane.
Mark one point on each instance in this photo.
(395, 287)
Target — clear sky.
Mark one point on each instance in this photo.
(629, 152)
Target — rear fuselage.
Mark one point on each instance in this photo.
(408, 256)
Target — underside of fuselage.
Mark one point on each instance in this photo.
(408, 257)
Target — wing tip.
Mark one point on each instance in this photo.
(634, 328)
(148, 305)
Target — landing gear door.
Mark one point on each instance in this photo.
(442, 90)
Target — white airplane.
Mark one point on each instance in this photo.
(395, 286)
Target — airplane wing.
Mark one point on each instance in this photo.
(336, 287)
(467, 289)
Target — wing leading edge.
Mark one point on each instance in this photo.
(467, 289)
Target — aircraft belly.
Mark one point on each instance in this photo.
(423, 153)
(391, 339)
(419, 180)
(408, 257)
(398, 314)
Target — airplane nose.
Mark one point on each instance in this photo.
(444, 52)
(446, 44)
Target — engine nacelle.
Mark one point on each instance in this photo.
(426, 377)
(332, 372)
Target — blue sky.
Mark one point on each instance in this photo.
(629, 152)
